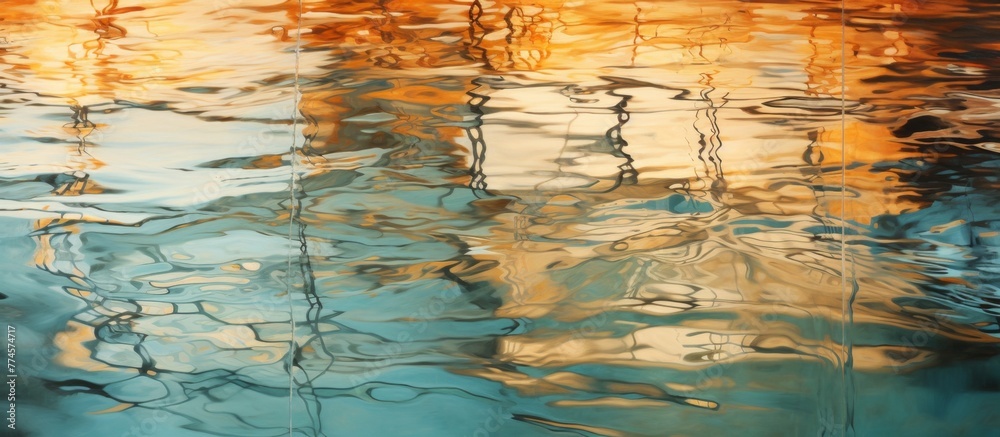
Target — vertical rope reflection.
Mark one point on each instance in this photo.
(477, 181)
(706, 124)
(477, 33)
(627, 174)
(849, 291)
(312, 319)
(293, 215)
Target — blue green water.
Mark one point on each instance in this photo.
(500, 219)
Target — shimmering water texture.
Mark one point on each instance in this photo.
(501, 218)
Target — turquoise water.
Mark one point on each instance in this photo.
(464, 218)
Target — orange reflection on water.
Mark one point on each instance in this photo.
(566, 113)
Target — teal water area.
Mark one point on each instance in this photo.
(467, 218)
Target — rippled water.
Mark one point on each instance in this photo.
(474, 218)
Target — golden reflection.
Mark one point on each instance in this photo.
(512, 36)
(91, 340)
(103, 52)
(114, 409)
(74, 352)
(639, 140)
(706, 155)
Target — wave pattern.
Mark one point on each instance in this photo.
(506, 218)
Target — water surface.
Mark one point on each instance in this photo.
(470, 218)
